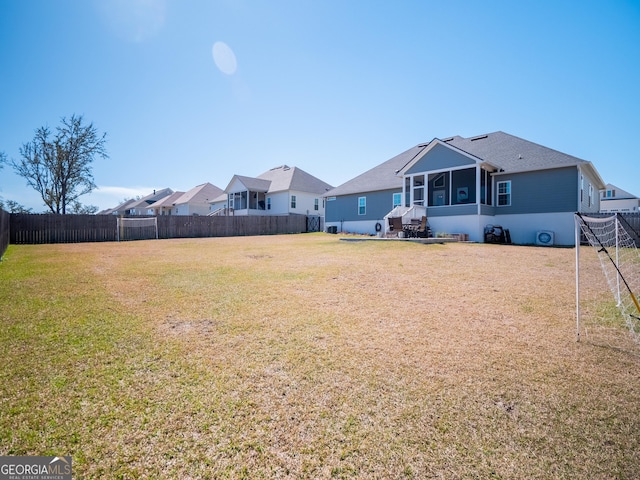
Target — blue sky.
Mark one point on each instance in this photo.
(334, 87)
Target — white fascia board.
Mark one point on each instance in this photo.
(429, 147)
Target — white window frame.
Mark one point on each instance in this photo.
(268, 203)
(293, 201)
(316, 204)
(395, 203)
(507, 193)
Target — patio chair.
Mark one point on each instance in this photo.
(396, 224)
(423, 229)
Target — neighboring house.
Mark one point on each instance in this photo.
(164, 206)
(197, 200)
(614, 200)
(218, 205)
(141, 206)
(466, 184)
(122, 209)
(282, 190)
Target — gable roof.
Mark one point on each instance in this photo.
(120, 208)
(513, 154)
(167, 201)
(251, 183)
(619, 195)
(284, 178)
(507, 153)
(281, 179)
(382, 177)
(144, 202)
(200, 194)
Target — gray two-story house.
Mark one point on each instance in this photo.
(464, 185)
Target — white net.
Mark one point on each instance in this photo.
(614, 246)
(145, 228)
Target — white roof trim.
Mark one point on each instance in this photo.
(431, 146)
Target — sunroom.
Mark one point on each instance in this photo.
(449, 187)
(247, 195)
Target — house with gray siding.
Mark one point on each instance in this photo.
(465, 185)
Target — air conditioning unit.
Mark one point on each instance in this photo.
(544, 237)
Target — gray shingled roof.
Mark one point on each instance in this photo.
(144, 202)
(513, 154)
(285, 178)
(382, 177)
(281, 179)
(200, 194)
(253, 184)
(510, 153)
(167, 201)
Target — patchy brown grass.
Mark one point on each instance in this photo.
(308, 357)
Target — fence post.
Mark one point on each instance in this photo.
(5, 231)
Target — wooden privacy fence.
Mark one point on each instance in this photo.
(630, 222)
(50, 228)
(4, 231)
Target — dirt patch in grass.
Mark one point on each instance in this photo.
(307, 357)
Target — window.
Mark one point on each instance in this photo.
(590, 194)
(268, 203)
(504, 193)
(407, 191)
(238, 200)
(439, 189)
(362, 205)
(397, 200)
(485, 188)
(418, 190)
(581, 189)
(316, 204)
(463, 186)
(293, 201)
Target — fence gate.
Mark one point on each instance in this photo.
(314, 223)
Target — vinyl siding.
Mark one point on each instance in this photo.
(452, 210)
(439, 158)
(595, 199)
(543, 191)
(345, 207)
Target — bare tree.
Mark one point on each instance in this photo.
(58, 166)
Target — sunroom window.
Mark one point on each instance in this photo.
(418, 190)
(439, 189)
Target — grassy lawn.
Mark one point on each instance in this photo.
(303, 356)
